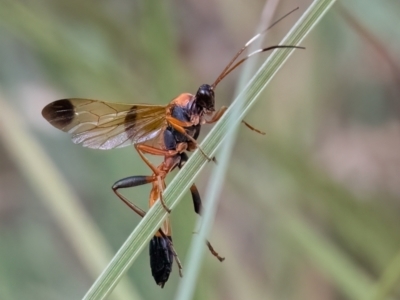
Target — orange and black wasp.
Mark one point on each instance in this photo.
(161, 249)
(163, 130)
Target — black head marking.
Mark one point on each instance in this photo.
(205, 97)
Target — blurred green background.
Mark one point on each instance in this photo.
(309, 211)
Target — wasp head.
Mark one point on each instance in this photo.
(205, 98)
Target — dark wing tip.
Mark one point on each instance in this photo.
(59, 113)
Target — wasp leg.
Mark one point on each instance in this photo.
(141, 149)
(218, 114)
(213, 252)
(252, 128)
(221, 112)
(161, 187)
(198, 207)
(161, 247)
(133, 181)
(180, 127)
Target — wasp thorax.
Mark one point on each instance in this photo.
(205, 97)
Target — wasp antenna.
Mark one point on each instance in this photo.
(228, 66)
(256, 52)
(270, 26)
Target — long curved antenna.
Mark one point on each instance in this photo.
(228, 68)
(256, 52)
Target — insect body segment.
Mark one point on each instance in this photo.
(161, 259)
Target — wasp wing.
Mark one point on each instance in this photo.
(102, 125)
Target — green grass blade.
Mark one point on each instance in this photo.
(179, 185)
(266, 72)
(389, 280)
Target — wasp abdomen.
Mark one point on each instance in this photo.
(161, 259)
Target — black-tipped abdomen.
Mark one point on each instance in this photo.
(161, 259)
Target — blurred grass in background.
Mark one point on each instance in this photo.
(310, 211)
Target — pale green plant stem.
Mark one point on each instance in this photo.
(183, 180)
(294, 37)
(389, 281)
(196, 252)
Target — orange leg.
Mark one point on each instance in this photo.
(213, 252)
(218, 114)
(139, 149)
(198, 209)
(161, 186)
(157, 173)
(142, 149)
(131, 182)
(161, 152)
(135, 181)
(252, 128)
(160, 174)
(221, 112)
(180, 127)
(160, 264)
